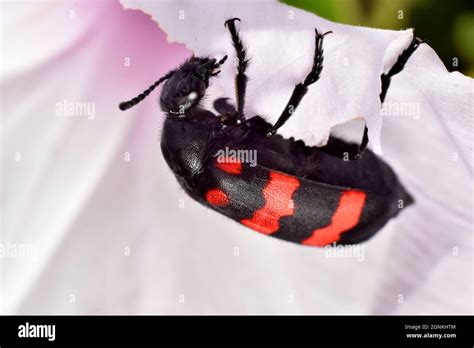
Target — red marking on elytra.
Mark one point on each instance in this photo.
(278, 203)
(229, 165)
(217, 197)
(345, 217)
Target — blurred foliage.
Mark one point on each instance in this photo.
(447, 26)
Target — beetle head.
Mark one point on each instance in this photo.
(185, 89)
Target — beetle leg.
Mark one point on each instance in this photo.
(217, 65)
(398, 66)
(228, 113)
(242, 63)
(349, 152)
(385, 80)
(222, 61)
(301, 88)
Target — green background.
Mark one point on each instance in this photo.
(446, 25)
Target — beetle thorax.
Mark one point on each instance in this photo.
(183, 144)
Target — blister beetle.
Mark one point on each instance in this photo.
(339, 193)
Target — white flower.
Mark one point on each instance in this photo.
(92, 196)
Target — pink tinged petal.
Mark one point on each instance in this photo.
(103, 55)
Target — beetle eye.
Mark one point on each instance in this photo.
(192, 96)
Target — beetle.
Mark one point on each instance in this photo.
(341, 193)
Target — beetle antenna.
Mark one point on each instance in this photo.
(132, 102)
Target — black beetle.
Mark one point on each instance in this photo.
(340, 193)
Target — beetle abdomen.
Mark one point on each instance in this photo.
(295, 209)
(291, 191)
